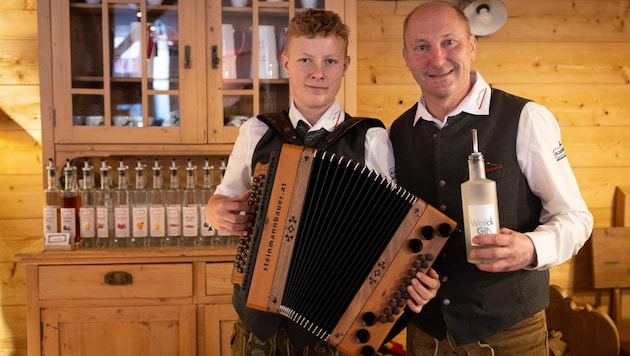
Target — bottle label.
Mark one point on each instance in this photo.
(68, 222)
(121, 216)
(157, 219)
(174, 220)
(204, 229)
(481, 220)
(87, 222)
(102, 222)
(51, 220)
(140, 221)
(190, 221)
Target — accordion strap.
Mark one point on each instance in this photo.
(279, 121)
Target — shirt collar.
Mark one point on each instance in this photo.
(477, 102)
(332, 117)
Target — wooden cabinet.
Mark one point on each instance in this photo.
(163, 77)
(153, 301)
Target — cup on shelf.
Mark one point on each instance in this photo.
(309, 4)
(239, 3)
(94, 120)
(93, 1)
(154, 2)
(120, 120)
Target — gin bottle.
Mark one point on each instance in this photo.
(190, 207)
(52, 200)
(479, 201)
(173, 208)
(122, 209)
(105, 221)
(139, 209)
(87, 211)
(206, 234)
(157, 208)
(71, 203)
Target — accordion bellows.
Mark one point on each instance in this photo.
(334, 246)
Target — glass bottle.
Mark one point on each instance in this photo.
(71, 203)
(222, 237)
(139, 209)
(206, 234)
(52, 202)
(87, 211)
(105, 221)
(479, 201)
(157, 209)
(173, 208)
(122, 209)
(190, 207)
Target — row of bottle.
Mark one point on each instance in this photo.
(107, 216)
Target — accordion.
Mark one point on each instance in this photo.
(334, 246)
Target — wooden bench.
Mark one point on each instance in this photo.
(578, 330)
(611, 270)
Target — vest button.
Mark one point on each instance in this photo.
(442, 183)
(443, 279)
(446, 301)
(443, 207)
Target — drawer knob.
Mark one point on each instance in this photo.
(118, 278)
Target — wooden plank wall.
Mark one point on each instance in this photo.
(20, 164)
(571, 55)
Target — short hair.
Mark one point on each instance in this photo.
(316, 22)
(454, 6)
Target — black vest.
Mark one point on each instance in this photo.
(432, 163)
(347, 140)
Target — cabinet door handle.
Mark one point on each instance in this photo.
(118, 278)
(187, 57)
(215, 57)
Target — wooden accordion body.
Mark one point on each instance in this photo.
(334, 246)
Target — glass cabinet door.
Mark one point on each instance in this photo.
(119, 65)
(248, 63)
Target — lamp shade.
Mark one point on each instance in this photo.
(486, 16)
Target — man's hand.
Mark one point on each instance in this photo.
(422, 289)
(230, 215)
(511, 251)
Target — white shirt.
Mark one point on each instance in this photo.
(379, 154)
(566, 222)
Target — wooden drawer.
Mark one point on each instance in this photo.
(116, 281)
(218, 277)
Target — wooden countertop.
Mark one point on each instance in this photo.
(218, 253)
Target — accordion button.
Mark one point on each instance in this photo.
(363, 336)
(442, 183)
(428, 232)
(401, 303)
(415, 245)
(368, 319)
(446, 301)
(445, 230)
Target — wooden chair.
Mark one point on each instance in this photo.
(579, 331)
(611, 263)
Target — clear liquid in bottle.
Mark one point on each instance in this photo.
(479, 202)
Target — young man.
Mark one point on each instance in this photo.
(316, 59)
(493, 307)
